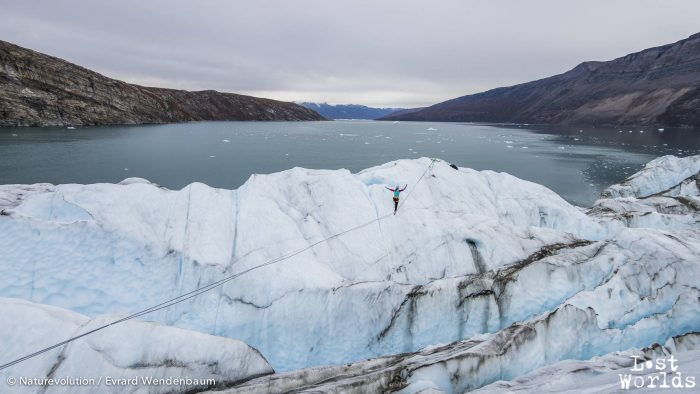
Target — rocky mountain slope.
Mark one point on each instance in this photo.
(41, 90)
(481, 277)
(350, 111)
(657, 86)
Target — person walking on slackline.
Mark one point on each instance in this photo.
(397, 191)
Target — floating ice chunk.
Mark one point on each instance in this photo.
(225, 140)
(431, 129)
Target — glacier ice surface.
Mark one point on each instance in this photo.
(133, 349)
(470, 252)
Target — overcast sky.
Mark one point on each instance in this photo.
(403, 53)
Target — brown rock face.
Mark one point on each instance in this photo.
(657, 86)
(40, 90)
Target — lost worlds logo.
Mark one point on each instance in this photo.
(661, 373)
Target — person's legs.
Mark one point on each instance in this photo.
(396, 204)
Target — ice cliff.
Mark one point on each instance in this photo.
(505, 274)
(133, 349)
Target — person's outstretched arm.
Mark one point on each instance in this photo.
(404, 188)
(389, 188)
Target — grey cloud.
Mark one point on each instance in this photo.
(393, 53)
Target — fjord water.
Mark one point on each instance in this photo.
(577, 163)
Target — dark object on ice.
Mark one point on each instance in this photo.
(454, 166)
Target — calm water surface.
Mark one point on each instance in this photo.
(577, 163)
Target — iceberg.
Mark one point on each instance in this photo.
(480, 277)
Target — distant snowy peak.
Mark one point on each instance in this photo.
(350, 111)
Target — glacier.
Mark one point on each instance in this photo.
(480, 277)
(602, 374)
(133, 349)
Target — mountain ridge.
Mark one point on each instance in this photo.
(42, 90)
(655, 86)
(350, 111)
